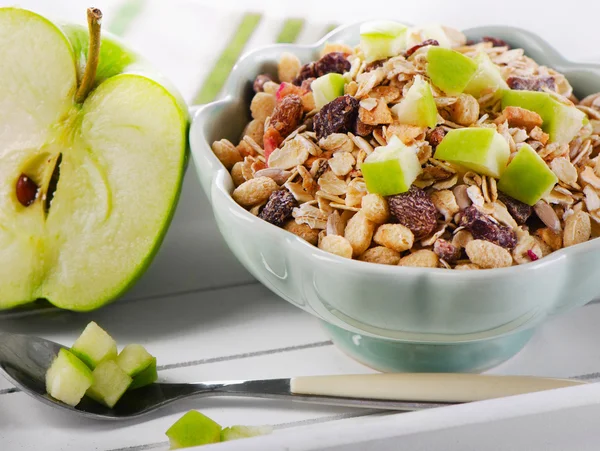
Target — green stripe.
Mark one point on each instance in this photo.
(124, 16)
(329, 28)
(290, 30)
(216, 78)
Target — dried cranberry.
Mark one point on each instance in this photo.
(287, 115)
(532, 255)
(279, 207)
(483, 228)
(425, 43)
(435, 136)
(446, 250)
(338, 116)
(26, 190)
(531, 83)
(517, 209)
(496, 42)
(331, 62)
(259, 82)
(415, 210)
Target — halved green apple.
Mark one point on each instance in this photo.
(482, 150)
(382, 39)
(486, 78)
(106, 150)
(562, 122)
(327, 88)
(418, 106)
(449, 70)
(527, 178)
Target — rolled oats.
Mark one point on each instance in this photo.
(342, 163)
(279, 175)
(292, 153)
(356, 190)
(337, 142)
(445, 203)
(308, 214)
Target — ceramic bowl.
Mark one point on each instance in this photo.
(395, 318)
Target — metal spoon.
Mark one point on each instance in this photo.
(25, 360)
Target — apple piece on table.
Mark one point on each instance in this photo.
(382, 39)
(110, 383)
(482, 150)
(327, 88)
(449, 70)
(239, 432)
(94, 345)
(193, 429)
(418, 106)
(562, 122)
(487, 78)
(391, 169)
(527, 177)
(68, 378)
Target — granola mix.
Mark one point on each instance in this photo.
(299, 167)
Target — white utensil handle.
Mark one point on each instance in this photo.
(430, 387)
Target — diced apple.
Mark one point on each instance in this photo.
(238, 432)
(193, 429)
(450, 70)
(382, 39)
(110, 383)
(134, 359)
(487, 77)
(527, 178)
(68, 378)
(327, 88)
(418, 106)
(482, 150)
(562, 122)
(391, 169)
(94, 345)
(146, 377)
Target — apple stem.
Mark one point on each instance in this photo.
(94, 17)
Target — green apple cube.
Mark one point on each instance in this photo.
(327, 88)
(382, 39)
(486, 78)
(107, 156)
(527, 177)
(134, 359)
(193, 429)
(110, 383)
(391, 169)
(561, 122)
(482, 150)
(68, 378)
(418, 106)
(238, 432)
(450, 70)
(146, 377)
(94, 345)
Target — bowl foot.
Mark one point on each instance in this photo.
(396, 356)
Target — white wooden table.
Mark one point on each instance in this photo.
(198, 310)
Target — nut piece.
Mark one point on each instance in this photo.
(237, 174)
(359, 232)
(577, 229)
(465, 111)
(462, 238)
(254, 191)
(488, 255)
(304, 231)
(255, 130)
(446, 250)
(375, 208)
(531, 83)
(394, 236)
(380, 114)
(484, 228)
(226, 152)
(415, 210)
(445, 203)
(517, 209)
(552, 239)
(423, 259)
(381, 255)
(279, 207)
(337, 245)
(548, 216)
(288, 67)
(519, 117)
(462, 196)
(262, 106)
(342, 163)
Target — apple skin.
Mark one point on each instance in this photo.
(68, 369)
(382, 39)
(327, 88)
(418, 106)
(449, 70)
(482, 150)
(487, 77)
(193, 429)
(527, 177)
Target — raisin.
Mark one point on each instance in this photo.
(362, 129)
(496, 42)
(483, 228)
(279, 207)
(338, 116)
(26, 190)
(331, 62)
(446, 250)
(287, 115)
(531, 83)
(259, 82)
(517, 209)
(425, 43)
(306, 84)
(374, 65)
(415, 210)
(435, 136)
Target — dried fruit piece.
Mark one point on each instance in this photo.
(488, 255)
(531, 83)
(415, 210)
(338, 116)
(26, 190)
(465, 111)
(435, 136)
(254, 191)
(518, 210)
(285, 119)
(496, 42)
(519, 117)
(259, 82)
(484, 228)
(279, 207)
(425, 43)
(331, 62)
(446, 250)
(423, 259)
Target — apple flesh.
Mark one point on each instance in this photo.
(110, 383)
(239, 432)
(68, 378)
(146, 377)
(94, 345)
(482, 150)
(418, 106)
(527, 178)
(327, 88)
(382, 39)
(391, 169)
(416, 35)
(193, 429)
(487, 78)
(449, 70)
(561, 122)
(134, 359)
(116, 159)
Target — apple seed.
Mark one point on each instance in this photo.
(26, 190)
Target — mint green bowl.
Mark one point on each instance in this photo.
(395, 318)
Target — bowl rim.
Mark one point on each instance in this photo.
(221, 177)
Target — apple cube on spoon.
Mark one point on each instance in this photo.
(94, 345)
(391, 169)
(482, 150)
(487, 78)
(134, 359)
(239, 432)
(327, 88)
(450, 70)
(382, 39)
(527, 177)
(146, 377)
(110, 383)
(418, 106)
(68, 378)
(193, 429)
